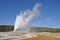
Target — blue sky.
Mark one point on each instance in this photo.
(49, 12)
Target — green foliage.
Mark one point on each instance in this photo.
(5, 28)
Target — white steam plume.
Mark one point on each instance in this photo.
(22, 20)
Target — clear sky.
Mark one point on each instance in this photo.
(49, 12)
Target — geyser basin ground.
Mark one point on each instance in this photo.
(29, 36)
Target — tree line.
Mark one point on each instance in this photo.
(6, 28)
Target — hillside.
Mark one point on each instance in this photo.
(5, 28)
(44, 29)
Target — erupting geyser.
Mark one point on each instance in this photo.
(23, 19)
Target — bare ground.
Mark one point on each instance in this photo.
(29, 36)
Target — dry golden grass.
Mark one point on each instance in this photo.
(42, 38)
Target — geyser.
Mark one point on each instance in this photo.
(23, 19)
